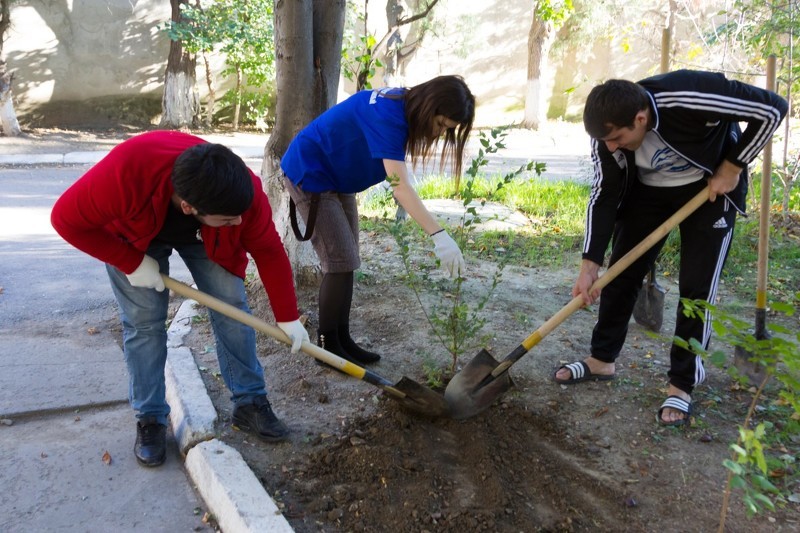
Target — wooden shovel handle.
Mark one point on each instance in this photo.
(276, 333)
(613, 271)
(763, 221)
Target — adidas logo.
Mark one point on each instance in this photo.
(721, 224)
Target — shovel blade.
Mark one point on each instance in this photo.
(420, 399)
(474, 389)
(755, 372)
(649, 308)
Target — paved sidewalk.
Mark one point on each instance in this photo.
(74, 148)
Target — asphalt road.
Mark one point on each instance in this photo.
(66, 429)
(44, 279)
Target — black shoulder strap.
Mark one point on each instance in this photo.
(312, 218)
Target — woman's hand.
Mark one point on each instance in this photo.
(449, 253)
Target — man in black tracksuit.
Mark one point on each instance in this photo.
(655, 145)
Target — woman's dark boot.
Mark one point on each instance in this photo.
(356, 352)
(335, 298)
(329, 341)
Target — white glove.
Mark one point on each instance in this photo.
(296, 332)
(448, 253)
(147, 275)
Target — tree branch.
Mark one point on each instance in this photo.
(380, 47)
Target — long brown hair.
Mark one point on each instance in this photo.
(444, 95)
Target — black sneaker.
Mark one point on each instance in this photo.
(257, 418)
(151, 442)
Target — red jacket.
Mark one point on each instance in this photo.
(114, 210)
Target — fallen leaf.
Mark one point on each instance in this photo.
(107, 458)
(600, 412)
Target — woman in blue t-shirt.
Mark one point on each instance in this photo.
(352, 146)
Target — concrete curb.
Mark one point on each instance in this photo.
(193, 415)
(229, 488)
(232, 491)
(33, 159)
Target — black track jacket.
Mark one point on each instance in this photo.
(697, 114)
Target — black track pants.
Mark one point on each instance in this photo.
(705, 240)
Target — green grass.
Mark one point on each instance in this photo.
(557, 213)
(561, 206)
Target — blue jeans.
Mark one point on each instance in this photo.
(144, 332)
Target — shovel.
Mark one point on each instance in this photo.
(649, 308)
(407, 392)
(483, 379)
(742, 357)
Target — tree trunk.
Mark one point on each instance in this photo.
(540, 39)
(212, 94)
(8, 118)
(237, 104)
(180, 105)
(308, 45)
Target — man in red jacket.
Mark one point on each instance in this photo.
(163, 191)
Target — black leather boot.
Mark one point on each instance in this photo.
(329, 340)
(151, 442)
(358, 353)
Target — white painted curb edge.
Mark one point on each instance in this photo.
(192, 412)
(229, 488)
(240, 503)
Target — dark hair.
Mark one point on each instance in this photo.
(613, 104)
(213, 180)
(444, 95)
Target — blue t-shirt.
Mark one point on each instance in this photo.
(343, 149)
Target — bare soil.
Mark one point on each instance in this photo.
(545, 457)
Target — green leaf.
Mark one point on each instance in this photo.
(736, 468)
(764, 500)
(764, 484)
(719, 359)
(737, 482)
